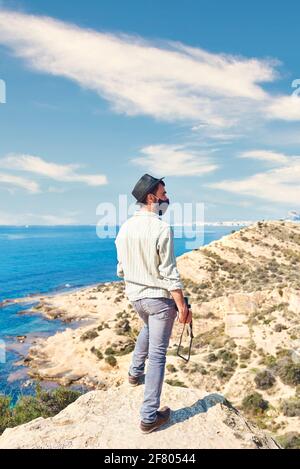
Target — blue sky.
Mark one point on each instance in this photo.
(101, 91)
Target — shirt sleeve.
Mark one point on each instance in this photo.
(120, 272)
(167, 265)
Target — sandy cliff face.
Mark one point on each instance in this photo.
(245, 295)
(250, 296)
(109, 419)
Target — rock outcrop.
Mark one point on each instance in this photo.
(110, 420)
(245, 294)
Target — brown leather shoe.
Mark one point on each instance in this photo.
(162, 417)
(135, 380)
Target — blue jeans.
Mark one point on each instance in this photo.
(158, 315)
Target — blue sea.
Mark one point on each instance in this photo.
(49, 259)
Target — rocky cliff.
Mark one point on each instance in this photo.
(245, 295)
(109, 419)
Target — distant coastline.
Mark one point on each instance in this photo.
(195, 223)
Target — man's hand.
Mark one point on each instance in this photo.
(184, 314)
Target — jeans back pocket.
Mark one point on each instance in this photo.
(162, 308)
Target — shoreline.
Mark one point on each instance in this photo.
(32, 297)
(44, 305)
(93, 311)
(106, 327)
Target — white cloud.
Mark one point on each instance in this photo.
(284, 107)
(57, 172)
(174, 160)
(266, 155)
(11, 182)
(279, 185)
(166, 80)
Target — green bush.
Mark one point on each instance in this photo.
(290, 440)
(111, 360)
(171, 368)
(122, 327)
(43, 404)
(279, 328)
(120, 349)
(54, 401)
(228, 357)
(264, 380)
(97, 352)
(245, 354)
(5, 413)
(289, 372)
(125, 349)
(269, 360)
(176, 382)
(196, 368)
(291, 407)
(211, 357)
(221, 374)
(254, 404)
(89, 335)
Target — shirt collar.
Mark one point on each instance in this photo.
(146, 213)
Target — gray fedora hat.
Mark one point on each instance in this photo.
(144, 186)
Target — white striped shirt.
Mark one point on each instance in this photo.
(146, 260)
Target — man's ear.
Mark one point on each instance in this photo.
(151, 198)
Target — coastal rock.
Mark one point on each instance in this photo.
(245, 294)
(110, 420)
(21, 338)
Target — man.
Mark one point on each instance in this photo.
(147, 263)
